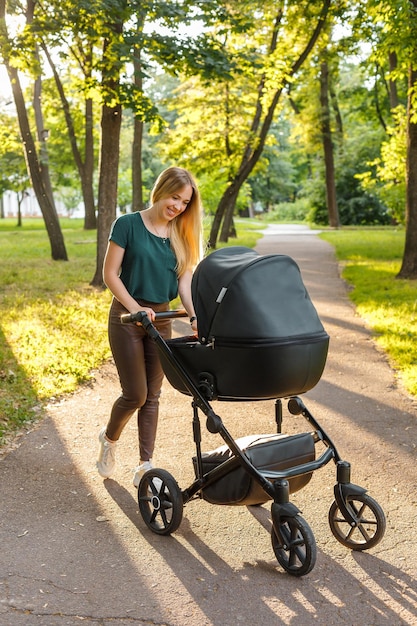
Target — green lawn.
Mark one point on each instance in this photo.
(53, 329)
(53, 324)
(371, 260)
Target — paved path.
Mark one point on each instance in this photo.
(75, 550)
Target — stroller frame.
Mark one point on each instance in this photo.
(356, 520)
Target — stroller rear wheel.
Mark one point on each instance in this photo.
(296, 551)
(370, 527)
(160, 501)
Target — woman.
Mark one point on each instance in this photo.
(149, 261)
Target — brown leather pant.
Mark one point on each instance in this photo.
(140, 375)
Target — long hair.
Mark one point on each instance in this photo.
(186, 228)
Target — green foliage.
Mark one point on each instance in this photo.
(356, 205)
(392, 25)
(218, 124)
(388, 178)
(371, 261)
(357, 139)
(64, 174)
(275, 179)
(13, 174)
(212, 189)
(296, 211)
(200, 93)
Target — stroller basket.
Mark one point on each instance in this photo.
(268, 453)
(259, 334)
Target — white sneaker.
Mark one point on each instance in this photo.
(140, 470)
(107, 455)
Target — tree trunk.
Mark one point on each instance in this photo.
(85, 168)
(137, 194)
(42, 137)
(226, 205)
(228, 228)
(409, 262)
(328, 147)
(87, 180)
(336, 109)
(111, 122)
(376, 100)
(50, 216)
(19, 209)
(107, 195)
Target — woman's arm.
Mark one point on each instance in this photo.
(111, 276)
(184, 290)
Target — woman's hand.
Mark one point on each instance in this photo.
(194, 327)
(149, 312)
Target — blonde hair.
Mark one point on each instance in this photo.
(186, 228)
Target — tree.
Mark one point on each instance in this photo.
(76, 30)
(111, 120)
(84, 162)
(396, 42)
(328, 145)
(409, 261)
(138, 123)
(13, 171)
(33, 161)
(168, 50)
(224, 124)
(284, 57)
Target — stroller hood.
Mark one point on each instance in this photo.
(240, 295)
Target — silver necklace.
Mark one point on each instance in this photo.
(157, 231)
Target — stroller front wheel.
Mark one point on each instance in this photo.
(160, 501)
(370, 526)
(296, 551)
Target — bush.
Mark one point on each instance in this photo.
(296, 211)
(357, 207)
(364, 210)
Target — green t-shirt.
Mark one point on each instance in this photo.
(148, 266)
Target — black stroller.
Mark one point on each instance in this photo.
(260, 338)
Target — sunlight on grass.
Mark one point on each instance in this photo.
(53, 325)
(372, 260)
(58, 342)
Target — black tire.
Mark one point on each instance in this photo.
(297, 553)
(160, 501)
(371, 523)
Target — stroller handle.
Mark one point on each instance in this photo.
(132, 318)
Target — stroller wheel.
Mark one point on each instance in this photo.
(296, 549)
(160, 501)
(370, 526)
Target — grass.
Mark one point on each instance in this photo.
(53, 325)
(371, 260)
